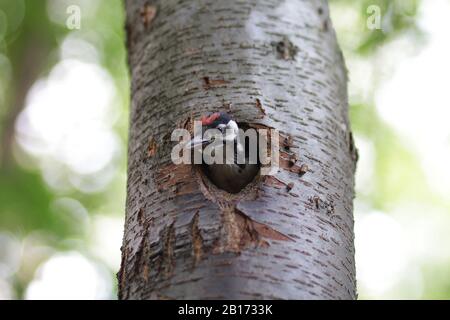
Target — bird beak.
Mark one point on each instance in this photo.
(197, 141)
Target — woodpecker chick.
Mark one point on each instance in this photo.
(230, 175)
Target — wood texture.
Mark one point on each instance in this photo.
(269, 62)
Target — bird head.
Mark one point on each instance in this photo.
(228, 130)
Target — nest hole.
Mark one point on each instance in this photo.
(235, 181)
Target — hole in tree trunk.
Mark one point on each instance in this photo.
(234, 177)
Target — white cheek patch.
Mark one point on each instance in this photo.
(230, 135)
(233, 125)
(231, 131)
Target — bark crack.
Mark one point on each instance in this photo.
(285, 49)
(240, 232)
(152, 147)
(197, 240)
(148, 14)
(168, 262)
(213, 83)
(260, 108)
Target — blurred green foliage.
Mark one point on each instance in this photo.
(30, 41)
(24, 197)
(397, 183)
(397, 16)
(393, 180)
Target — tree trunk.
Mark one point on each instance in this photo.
(269, 63)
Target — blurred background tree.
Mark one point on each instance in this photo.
(64, 100)
(63, 125)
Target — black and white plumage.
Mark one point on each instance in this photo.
(230, 175)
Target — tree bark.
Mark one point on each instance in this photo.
(269, 63)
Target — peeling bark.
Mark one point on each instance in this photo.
(270, 64)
